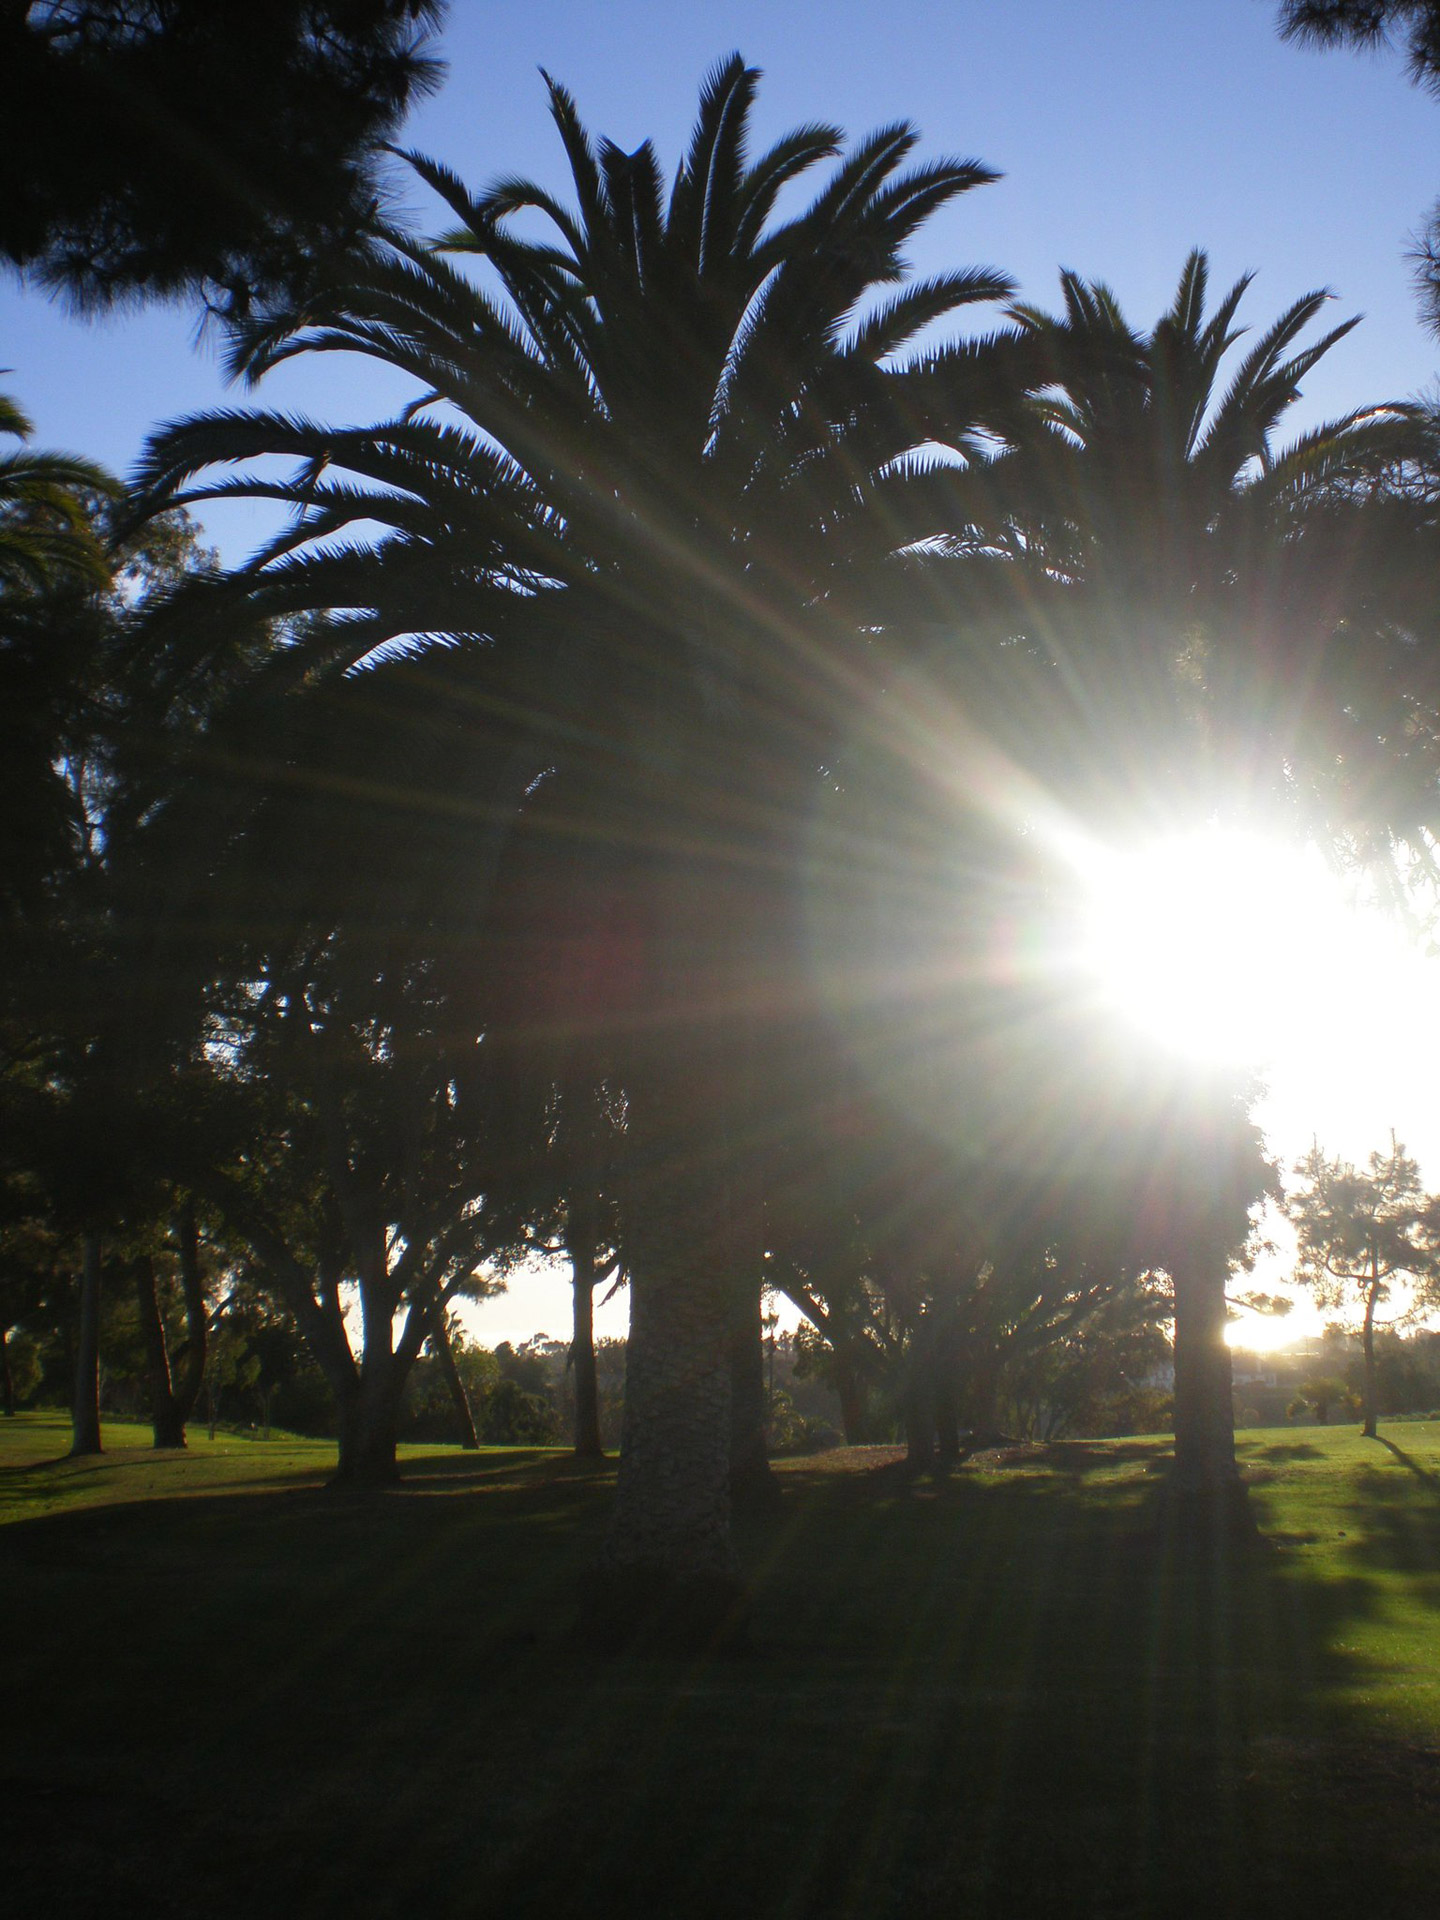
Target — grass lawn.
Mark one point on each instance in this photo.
(1027, 1689)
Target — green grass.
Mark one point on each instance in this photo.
(1029, 1688)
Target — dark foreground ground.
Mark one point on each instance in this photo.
(1020, 1691)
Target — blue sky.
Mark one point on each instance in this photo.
(1127, 131)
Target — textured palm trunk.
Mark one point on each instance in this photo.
(668, 1567)
(85, 1411)
(1204, 1411)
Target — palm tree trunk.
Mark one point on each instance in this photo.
(85, 1409)
(1204, 1410)
(668, 1567)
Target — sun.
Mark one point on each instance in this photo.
(1222, 944)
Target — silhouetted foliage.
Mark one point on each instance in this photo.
(181, 147)
(1359, 1231)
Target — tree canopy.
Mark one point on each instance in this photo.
(197, 147)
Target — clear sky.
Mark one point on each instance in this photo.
(1127, 131)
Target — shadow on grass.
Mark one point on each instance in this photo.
(1408, 1461)
(997, 1692)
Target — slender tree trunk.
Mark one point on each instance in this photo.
(1372, 1401)
(197, 1319)
(668, 1567)
(582, 1234)
(166, 1419)
(445, 1353)
(1204, 1410)
(85, 1410)
(7, 1383)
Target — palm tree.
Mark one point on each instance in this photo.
(47, 531)
(641, 475)
(1147, 611)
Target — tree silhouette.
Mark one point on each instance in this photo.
(1133, 565)
(1359, 1231)
(640, 475)
(181, 147)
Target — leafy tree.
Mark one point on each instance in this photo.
(1319, 1394)
(180, 147)
(1376, 23)
(1358, 1231)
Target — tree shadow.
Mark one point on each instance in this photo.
(1055, 1689)
(1408, 1461)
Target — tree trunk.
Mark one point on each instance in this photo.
(197, 1319)
(1372, 1407)
(85, 1410)
(751, 1480)
(369, 1414)
(166, 1419)
(7, 1383)
(445, 1354)
(369, 1402)
(1204, 1411)
(668, 1568)
(582, 1235)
